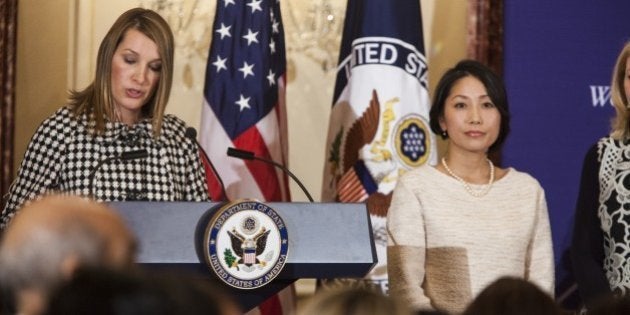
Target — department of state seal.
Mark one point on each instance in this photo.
(246, 244)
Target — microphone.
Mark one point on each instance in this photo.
(191, 133)
(132, 155)
(248, 155)
(125, 156)
(241, 154)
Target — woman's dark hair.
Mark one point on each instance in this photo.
(610, 304)
(494, 87)
(512, 296)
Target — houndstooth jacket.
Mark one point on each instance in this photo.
(63, 153)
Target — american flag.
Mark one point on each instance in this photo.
(244, 98)
(244, 106)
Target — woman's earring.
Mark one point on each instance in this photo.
(444, 134)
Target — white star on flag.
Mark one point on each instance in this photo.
(274, 26)
(247, 69)
(224, 31)
(243, 102)
(251, 36)
(220, 63)
(255, 5)
(271, 77)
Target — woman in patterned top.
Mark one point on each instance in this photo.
(457, 227)
(77, 150)
(600, 248)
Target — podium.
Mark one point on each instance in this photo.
(326, 240)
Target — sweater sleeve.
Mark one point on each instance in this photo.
(184, 156)
(406, 248)
(40, 167)
(587, 252)
(541, 269)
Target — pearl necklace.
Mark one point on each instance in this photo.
(469, 189)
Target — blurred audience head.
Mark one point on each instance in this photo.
(352, 301)
(512, 296)
(98, 291)
(50, 238)
(610, 305)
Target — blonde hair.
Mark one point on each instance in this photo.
(97, 101)
(618, 97)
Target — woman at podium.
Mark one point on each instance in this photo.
(112, 140)
(456, 227)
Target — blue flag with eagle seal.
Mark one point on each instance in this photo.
(379, 123)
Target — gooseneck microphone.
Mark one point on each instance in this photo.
(125, 156)
(192, 134)
(247, 155)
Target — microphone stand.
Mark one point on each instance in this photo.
(246, 155)
(191, 133)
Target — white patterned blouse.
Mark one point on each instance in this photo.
(63, 153)
(600, 253)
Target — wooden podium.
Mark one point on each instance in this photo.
(326, 240)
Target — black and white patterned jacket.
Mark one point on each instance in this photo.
(63, 153)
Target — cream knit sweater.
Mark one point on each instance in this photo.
(445, 245)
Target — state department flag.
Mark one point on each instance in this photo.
(379, 125)
(244, 108)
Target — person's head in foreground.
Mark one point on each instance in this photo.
(50, 238)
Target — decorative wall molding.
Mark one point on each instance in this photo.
(80, 34)
(8, 31)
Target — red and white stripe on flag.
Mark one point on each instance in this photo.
(246, 179)
(350, 188)
(244, 107)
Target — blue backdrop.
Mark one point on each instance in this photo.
(557, 53)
